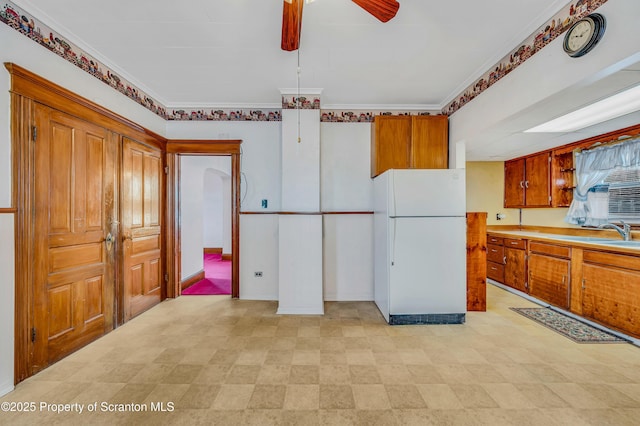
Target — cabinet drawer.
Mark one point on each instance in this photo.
(518, 244)
(495, 253)
(495, 271)
(495, 240)
(550, 249)
(618, 260)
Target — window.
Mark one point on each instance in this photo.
(607, 185)
(624, 195)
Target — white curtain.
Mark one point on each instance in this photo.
(592, 167)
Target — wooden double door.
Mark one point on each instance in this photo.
(97, 224)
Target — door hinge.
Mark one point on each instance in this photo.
(33, 335)
(166, 170)
(34, 133)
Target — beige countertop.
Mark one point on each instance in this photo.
(587, 242)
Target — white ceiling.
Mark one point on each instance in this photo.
(226, 53)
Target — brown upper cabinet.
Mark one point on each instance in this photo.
(546, 179)
(527, 181)
(409, 142)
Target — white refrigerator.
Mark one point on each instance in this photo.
(420, 246)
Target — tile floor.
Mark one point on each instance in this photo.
(222, 361)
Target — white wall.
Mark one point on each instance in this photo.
(261, 175)
(7, 303)
(260, 159)
(212, 205)
(192, 173)
(346, 186)
(345, 168)
(216, 214)
(259, 253)
(348, 257)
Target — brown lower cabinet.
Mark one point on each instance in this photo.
(549, 273)
(506, 261)
(515, 264)
(611, 290)
(600, 285)
(495, 258)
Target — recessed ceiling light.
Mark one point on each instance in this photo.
(614, 106)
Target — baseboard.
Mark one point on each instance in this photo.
(348, 297)
(213, 250)
(226, 256)
(6, 387)
(191, 280)
(301, 310)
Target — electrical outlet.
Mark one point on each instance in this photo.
(258, 274)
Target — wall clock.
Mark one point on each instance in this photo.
(583, 35)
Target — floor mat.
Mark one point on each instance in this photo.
(569, 327)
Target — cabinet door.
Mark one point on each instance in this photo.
(612, 296)
(390, 143)
(429, 142)
(549, 279)
(514, 268)
(514, 183)
(537, 180)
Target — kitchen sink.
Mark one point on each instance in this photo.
(588, 239)
(634, 244)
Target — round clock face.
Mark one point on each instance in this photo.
(580, 35)
(584, 35)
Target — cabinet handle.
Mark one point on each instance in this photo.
(584, 284)
(526, 184)
(493, 268)
(494, 250)
(522, 184)
(514, 242)
(504, 260)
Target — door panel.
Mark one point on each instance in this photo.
(537, 180)
(514, 269)
(514, 183)
(141, 216)
(549, 279)
(73, 276)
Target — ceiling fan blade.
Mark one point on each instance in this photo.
(384, 10)
(291, 24)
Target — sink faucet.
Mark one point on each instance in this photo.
(624, 231)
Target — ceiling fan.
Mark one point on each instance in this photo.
(384, 10)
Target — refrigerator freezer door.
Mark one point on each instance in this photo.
(427, 192)
(428, 265)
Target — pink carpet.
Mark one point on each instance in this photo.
(217, 277)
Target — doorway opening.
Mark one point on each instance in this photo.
(205, 223)
(227, 153)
